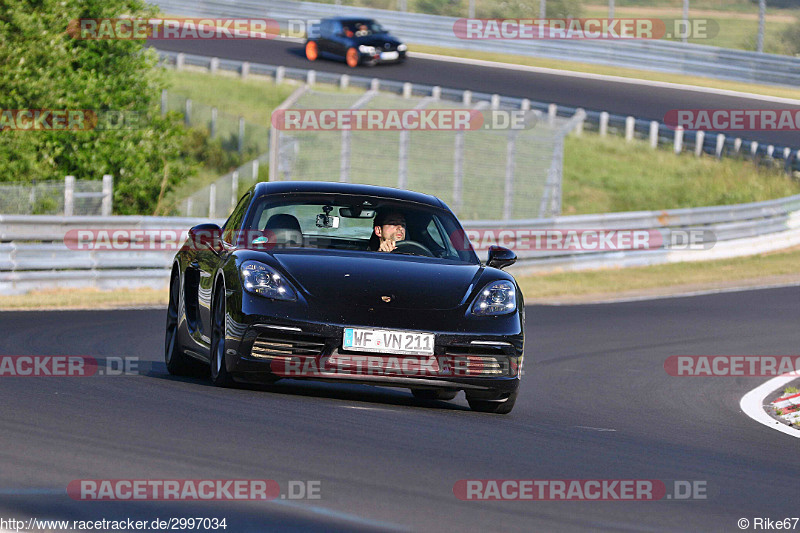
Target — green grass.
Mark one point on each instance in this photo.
(610, 175)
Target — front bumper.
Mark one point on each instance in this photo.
(483, 355)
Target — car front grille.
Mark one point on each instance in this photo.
(272, 346)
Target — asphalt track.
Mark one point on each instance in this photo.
(645, 102)
(386, 461)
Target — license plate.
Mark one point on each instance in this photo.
(388, 341)
(388, 56)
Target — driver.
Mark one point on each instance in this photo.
(389, 228)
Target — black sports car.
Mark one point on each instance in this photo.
(356, 40)
(300, 283)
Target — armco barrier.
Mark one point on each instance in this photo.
(33, 254)
(663, 56)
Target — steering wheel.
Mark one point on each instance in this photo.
(412, 248)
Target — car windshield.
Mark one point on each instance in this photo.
(348, 223)
(364, 27)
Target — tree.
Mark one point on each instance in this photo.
(46, 68)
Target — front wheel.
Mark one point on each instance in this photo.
(178, 363)
(219, 372)
(312, 51)
(496, 407)
(351, 58)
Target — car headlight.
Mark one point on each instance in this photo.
(364, 49)
(402, 48)
(260, 279)
(496, 298)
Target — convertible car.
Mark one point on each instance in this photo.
(296, 285)
(358, 41)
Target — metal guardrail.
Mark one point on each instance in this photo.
(663, 56)
(600, 121)
(33, 253)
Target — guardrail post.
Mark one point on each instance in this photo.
(720, 145)
(630, 123)
(254, 170)
(737, 144)
(407, 88)
(495, 101)
(458, 171)
(525, 104)
(213, 122)
(214, 65)
(108, 195)
(280, 73)
(653, 134)
(212, 200)
(552, 112)
(189, 206)
(466, 98)
(245, 70)
(375, 84)
(603, 124)
(311, 77)
(511, 151)
(234, 189)
(579, 126)
(678, 142)
(402, 159)
(69, 195)
(344, 163)
(770, 150)
(699, 141)
(187, 112)
(436, 92)
(787, 155)
(180, 59)
(241, 135)
(344, 81)
(163, 103)
(753, 149)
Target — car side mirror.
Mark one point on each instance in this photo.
(206, 236)
(500, 257)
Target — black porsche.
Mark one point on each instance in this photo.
(295, 285)
(359, 41)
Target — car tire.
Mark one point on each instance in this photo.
(178, 363)
(219, 372)
(489, 406)
(428, 394)
(351, 58)
(312, 51)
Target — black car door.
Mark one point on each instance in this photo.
(209, 260)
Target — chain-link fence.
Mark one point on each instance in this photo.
(218, 199)
(68, 197)
(482, 174)
(235, 132)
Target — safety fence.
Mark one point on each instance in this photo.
(68, 197)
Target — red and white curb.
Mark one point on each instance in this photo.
(752, 403)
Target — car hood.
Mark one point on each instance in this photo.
(363, 280)
(377, 40)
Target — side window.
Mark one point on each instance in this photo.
(433, 231)
(325, 28)
(234, 223)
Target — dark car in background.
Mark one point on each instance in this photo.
(359, 41)
(292, 286)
